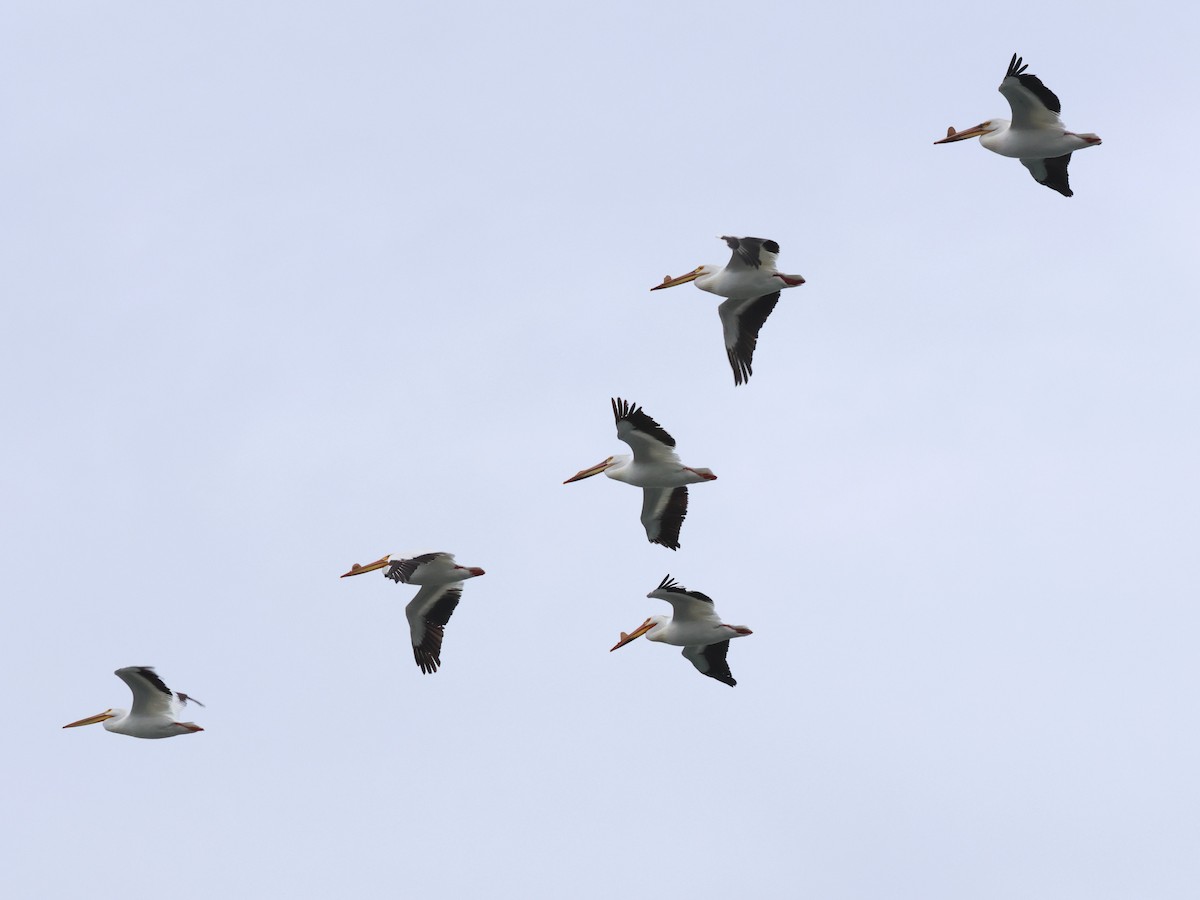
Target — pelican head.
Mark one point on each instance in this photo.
(593, 470)
(97, 719)
(639, 631)
(356, 569)
(991, 125)
(698, 272)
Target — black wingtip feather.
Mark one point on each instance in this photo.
(427, 661)
(667, 584)
(670, 584)
(741, 370)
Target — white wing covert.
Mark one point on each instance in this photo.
(151, 696)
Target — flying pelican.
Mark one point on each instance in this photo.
(696, 628)
(1035, 135)
(655, 467)
(428, 612)
(155, 710)
(752, 284)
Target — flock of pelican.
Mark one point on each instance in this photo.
(750, 284)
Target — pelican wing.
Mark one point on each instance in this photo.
(1033, 104)
(742, 320)
(1051, 172)
(688, 606)
(428, 613)
(663, 512)
(751, 253)
(151, 696)
(710, 660)
(402, 569)
(649, 440)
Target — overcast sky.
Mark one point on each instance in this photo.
(290, 285)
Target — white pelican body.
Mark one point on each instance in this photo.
(1035, 135)
(655, 467)
(752, 283)
(695, 627)
(155, 712)
(428, 612)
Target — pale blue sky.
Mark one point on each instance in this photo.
(292, 286)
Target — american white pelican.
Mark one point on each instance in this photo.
(655, 467)
(428, 612)
(155, 712)
(696, 628)
(1035, 135)
(752, 284)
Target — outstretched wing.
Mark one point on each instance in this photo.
(649, 440)
(663, 512)
(402, 569)
(688, 606)
(710, 660)
(1033, 104)
(1051, 172)
(151, 696)
(751, 252)
(741, 321)
(428, 613)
